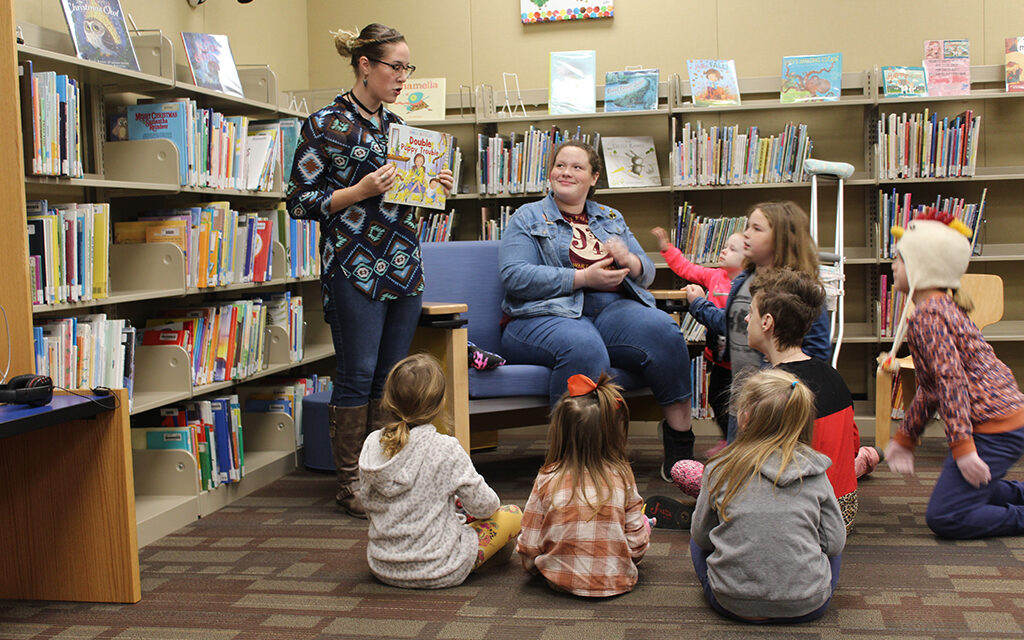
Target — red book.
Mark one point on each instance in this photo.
(263, 244)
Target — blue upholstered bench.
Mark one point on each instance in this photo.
(466, 273)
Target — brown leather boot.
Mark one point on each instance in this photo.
(348, 430)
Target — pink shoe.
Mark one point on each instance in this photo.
(721, 444)
(866, 461)
(687, 475)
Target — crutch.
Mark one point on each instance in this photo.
(832, 271)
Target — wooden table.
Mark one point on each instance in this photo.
(67, 502)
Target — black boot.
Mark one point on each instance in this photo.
(678, 446)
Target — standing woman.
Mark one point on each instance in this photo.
(371, 276)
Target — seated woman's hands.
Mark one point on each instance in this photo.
(601, 276)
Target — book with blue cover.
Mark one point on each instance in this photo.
(572, 87)
(100, 33)
(900, 82)
(814, 78)
(162, 120)
(631, 90)
(713, 82)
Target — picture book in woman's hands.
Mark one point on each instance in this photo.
(419, 155)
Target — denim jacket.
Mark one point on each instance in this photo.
(534, 260)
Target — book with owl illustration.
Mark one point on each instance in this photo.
(99, 32)
(713, 82)
(816, 78)
(631, 161)
(213, 67)
(421, 99)
(631, 90)
(418, 155)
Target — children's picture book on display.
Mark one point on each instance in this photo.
(553, 10)
(99, 32)
(713, 82)
(421, 99)
(631, 161)
(1015, 64)
(947, 67)
(814, 78)
(418, 155)
(904, 82)
(213, 67)
(631, 90)
(572, 86)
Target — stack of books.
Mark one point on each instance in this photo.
(922, 145)
(731, 155)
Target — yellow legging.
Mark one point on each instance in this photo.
(495, 532)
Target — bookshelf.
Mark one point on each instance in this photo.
(137, 176)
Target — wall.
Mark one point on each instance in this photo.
(269, 32)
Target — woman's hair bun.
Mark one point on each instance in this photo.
(345, 41)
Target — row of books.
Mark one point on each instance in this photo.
(897, 210)
(215, 150)
(519, 163)
(286, 311)
(68, 251)
(492, 228)
(283, 394)
(701, 239)
(435, 226)
(692, 330)
(52, 103)
(700, 374)
(86, 351)
(890, 306)
(920, 145)
(730, 155)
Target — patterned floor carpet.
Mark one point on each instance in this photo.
(282, 564)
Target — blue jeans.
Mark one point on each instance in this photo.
(370, 336)
(613, 331)
(699, 557)
(959, 511)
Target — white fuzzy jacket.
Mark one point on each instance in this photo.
(417, 539)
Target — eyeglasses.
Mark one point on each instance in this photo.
(397, 66)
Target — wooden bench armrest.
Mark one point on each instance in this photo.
(443, 308)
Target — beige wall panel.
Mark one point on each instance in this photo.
(867, 32)
(1003, 19)
(438, 34)
(643, 32)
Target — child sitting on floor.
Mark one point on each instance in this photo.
(583, 527)
(767, 533)
(717, 281)
(411, 478)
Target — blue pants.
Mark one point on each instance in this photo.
(369, 336)
(700, 567)
(613, 331)
(959, 511)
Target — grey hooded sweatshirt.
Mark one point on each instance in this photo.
(771, 558)
(417, 539)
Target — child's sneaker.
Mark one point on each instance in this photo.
(687, 474)
(866, 461)
(670, 513)
(483, 360)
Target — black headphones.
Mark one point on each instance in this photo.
(27, 389)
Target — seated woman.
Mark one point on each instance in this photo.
(576, 300)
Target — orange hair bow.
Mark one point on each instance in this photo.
(581, 385)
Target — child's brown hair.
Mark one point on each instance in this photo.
(793, 299)
(413, 394)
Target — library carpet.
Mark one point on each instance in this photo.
(281, 564)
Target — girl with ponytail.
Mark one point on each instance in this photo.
(767, 532)
(412, 478)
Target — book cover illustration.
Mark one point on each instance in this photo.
(713, 82)
(162, 120)
(1015, 64)
(631, 161)
(418, 155)
(947, 67)
(552, 10)
(99, 32)
(816, 78)
(421, 99)
(904, 81)
(572, 86)
(213, 67)
(631, 90)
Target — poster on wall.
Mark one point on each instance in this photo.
(552, 10)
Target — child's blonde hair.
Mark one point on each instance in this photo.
(791, 231)
(776, 413)
(587, 437)
(413, 394)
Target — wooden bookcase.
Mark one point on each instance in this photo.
(136, 176)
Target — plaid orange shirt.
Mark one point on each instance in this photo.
(577, 550)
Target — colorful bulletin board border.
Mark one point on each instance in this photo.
(552, 10)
